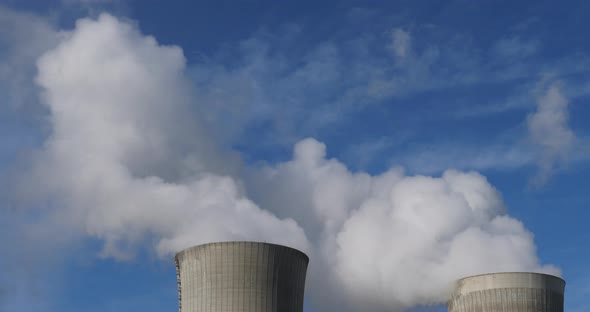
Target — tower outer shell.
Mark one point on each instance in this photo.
(508, 292)
(241, 276)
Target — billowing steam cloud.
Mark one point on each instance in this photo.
(394, 240)
(129, 163)
(123, 156)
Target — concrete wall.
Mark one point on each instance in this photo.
(241, 276)
(508, 292)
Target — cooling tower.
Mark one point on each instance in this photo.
(241, 276)
(508, 292)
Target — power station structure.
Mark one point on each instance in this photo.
(241, 276)
(508, 292)
(263, 277)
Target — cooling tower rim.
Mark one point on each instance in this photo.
(226, 243)
(512, 273)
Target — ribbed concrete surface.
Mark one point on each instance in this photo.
(508, 292)
(241, 276)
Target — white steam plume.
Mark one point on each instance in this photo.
(393, 241)
(125, 159)
(128, 162)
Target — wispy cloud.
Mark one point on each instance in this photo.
(549, 131)
(300, 92)
(434, 159)
(515, 47)
(400, 43)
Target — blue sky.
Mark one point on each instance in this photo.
(495, 87)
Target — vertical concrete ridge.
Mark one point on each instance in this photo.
(241, 276)
(178, 284)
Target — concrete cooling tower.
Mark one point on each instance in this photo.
(508, 292)
(241, 276)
